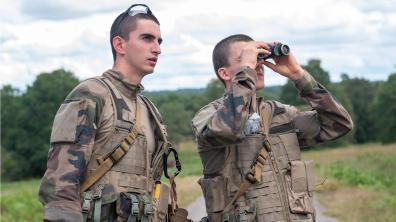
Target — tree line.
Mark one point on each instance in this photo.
(27, 117)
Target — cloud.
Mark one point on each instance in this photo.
(351, 36)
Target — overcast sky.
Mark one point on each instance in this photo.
(357, 37)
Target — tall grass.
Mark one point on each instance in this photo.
(372, 170)
(19, 202)
(362, 182)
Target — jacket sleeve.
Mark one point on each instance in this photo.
(224, 123)
(72, 140)
(328, 119)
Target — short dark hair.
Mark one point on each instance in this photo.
(222, 49)
(127, 25)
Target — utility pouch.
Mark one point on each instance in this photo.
(161, 200)
(96, 204)
(179, 215)
(300, 186)
(133, 207)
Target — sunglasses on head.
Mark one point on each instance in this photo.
(138, 9)
(133, 10)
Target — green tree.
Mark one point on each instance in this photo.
(383, 110)
(361, 93)
(11, 106)
(37, 110)
(214, 90)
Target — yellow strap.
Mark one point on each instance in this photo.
(114, 156)
(266, 117)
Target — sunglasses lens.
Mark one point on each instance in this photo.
(138, 9)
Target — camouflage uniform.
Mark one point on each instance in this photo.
(286, 189)
(86, 128)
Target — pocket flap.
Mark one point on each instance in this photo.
(302, 176)
(65, 123)
(298, 176)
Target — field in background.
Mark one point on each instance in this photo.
(19, 201)
(360, 184)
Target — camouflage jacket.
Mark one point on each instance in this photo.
(224, 124)
(82, 131)
(227, 150)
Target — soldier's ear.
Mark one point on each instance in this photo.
(119, 45)
(224, 74)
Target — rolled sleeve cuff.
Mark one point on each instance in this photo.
(305, 84)
(246, 73)
(61, 215)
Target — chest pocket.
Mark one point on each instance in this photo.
(284, 138)
(135, 160)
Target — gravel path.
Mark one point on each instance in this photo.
(196, 210)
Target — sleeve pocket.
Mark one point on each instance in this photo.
(65, 123)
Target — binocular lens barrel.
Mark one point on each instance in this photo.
(277, 49)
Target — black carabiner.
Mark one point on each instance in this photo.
(165, 162)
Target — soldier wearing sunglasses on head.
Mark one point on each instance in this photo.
(250, 147)
(108, 141)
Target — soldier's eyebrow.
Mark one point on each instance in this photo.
(151, 37)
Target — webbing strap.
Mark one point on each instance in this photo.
(112, 158)
(147, 208)
(134, 215)
(254, 175)
(242, 215)
(97, 197)
(86, 206)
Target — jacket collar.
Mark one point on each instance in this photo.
(123, 84)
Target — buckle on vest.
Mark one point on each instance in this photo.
(147, 206)
(86, 206)
(267, 145)
(134, 205)
(225, 217)
(242, 215)
(98, 192)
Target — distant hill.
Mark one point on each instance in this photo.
(274, 90)
(178, 91)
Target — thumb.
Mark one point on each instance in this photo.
(269, 64)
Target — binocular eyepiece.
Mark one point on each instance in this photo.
(277, 49)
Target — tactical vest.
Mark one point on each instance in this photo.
(285, 192)
(130, 182)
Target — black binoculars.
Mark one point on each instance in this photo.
(277, 49)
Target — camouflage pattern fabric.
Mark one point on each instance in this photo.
(227, 153)
(222, 122)
(84, 123)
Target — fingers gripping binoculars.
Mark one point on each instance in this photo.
(277, 49)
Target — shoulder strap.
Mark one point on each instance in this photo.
(162, 154)
(157, 118)
(254, 176)
(105, 163)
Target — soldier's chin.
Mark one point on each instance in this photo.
(259, 86)
(148, 71)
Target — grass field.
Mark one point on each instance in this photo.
(360, 184)
(19, 201)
